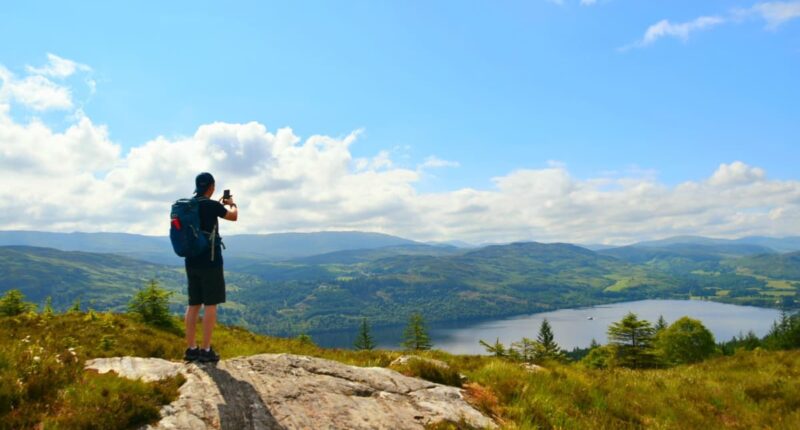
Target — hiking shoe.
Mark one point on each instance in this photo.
(208, 356)
(191, 354)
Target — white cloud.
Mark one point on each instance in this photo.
(58, 67)
(777, 13)
(79, 179)
(35, 92)
(588, 2)
(681, 31)
(774, 13)
(736, 173)
(434, 162)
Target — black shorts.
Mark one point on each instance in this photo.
(206, 286)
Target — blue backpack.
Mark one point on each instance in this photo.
(188, 240)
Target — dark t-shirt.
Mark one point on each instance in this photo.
(210, 211)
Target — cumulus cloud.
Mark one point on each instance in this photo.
(79, 179)
(35, 92)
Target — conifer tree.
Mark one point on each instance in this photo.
(524, 349)
(498, 349)
(661, 324)
(364, 340)
(151, 303)
(305, 338)
(631, 340)
(48, 307)
(416, 334)
(76, 306)
(546, 346)
(13, 303)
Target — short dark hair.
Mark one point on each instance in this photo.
(202, 182)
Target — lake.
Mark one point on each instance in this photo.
(572, 327)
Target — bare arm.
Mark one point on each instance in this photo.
(233, 210)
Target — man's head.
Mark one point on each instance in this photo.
(204, 184)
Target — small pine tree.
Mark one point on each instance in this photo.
(76, 306)
(631, 340)
(151, 303)
(524, 349)
(48, 307)
(661, 324)
(416, 335)
(304, 338)
(364, 341)
(546, 346)
(13, 303)
(498, 349)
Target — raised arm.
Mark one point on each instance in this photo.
(233, 210)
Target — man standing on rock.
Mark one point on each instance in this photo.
(204, 272)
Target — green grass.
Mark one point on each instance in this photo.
(756, 389)
(780, 284)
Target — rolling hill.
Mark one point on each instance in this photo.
(246, 247)
(334, 290)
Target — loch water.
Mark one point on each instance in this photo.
(574, 327)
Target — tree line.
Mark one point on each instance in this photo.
(632, 342)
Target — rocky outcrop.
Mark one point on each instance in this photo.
(282, 391)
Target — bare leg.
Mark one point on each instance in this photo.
(209, 319)
(190, 320)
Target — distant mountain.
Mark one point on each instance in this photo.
(777, 244)
(779, 266)
(334, 290)
(695, 252)
(780, 244)
(148, 248)
(354, 256)
(102, 281)
(597, 246)
(284, 246)
(248, 247)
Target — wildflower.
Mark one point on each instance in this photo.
(36, 358)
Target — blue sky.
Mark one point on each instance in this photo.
(493, 86)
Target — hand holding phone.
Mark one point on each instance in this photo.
(227, 198)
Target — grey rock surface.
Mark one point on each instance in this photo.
(283, 391)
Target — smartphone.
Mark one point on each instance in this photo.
(226, 195)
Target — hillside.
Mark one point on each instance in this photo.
(102, 281)
(333, 291)
(245, 247)
(775, 244)
(750, 389)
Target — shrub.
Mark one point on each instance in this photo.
(12, 303)
(430, 371)
(685, 341)
(126, 404)
(152, 304)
